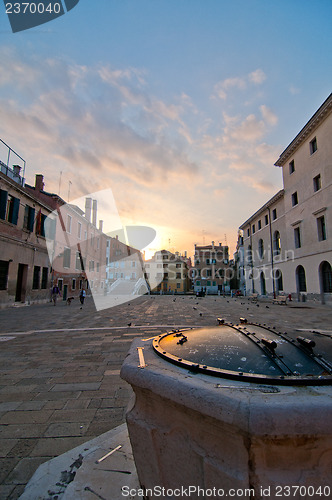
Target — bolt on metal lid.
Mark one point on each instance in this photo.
(250, 352)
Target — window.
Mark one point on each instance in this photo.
(40, 224)
(81, 284)
(266, 219)
(253, 229)
(261, 248)
(91, 265)
(291, 167)
(85, 235)
(249, 255)
(221, 273)
(276, 243)
(78, 261)
(207, 261)
(79, 230)
(198, 283)
(60, 283)
(297, 237)
(97, 243)
(274, 214)
(295, 200)
(208, 273)
(108, 244)
(317, 183)
(9, 207)
(178, 276)
(69, 221)
(97, 267)
(278, 281)
(313, 146)
(248, 231)
(29, 218)
(73, 284)
(44, 278)
(263, 284)
(300, 279)
(259, 224)
(66, 257)
(178, 285)
(326, 277)
(36, 278)
(321, 228)
(133, 264)
(4, 265)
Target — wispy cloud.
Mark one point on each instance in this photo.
(221, 88)
(167, 161)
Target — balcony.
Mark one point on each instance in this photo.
(13, 174)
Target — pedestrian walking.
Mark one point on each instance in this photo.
(55, 293)
(82, 297)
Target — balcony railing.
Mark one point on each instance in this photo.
(12, 174)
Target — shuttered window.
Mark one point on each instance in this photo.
(9, 207)
(29, 218)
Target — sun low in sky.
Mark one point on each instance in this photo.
(180, 108)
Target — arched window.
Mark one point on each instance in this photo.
(261, 248)
(263, 286)
(278, 281)
(326, 276)
(276, 243)
(300, 279)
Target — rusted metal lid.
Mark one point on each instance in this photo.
(250, 352)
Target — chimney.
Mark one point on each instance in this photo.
(94, 212)
(16, 169)
(88, 203)
(39, 182)
(212, 244)
(101, 226)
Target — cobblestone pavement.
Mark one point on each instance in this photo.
(59, 370)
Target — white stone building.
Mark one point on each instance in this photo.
(296, 223)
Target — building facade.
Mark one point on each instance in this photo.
(124, 268)
(211, 271)
(287, 243)
(167, 272)
(25, 271)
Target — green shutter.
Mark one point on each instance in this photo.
(16, 207)
(31, 219)
(3, 204)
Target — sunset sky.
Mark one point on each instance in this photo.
(179, 107)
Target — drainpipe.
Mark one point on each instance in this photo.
(272, 262)
(252, 264)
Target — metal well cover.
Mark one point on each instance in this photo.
(249, 352)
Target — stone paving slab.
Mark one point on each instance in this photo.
(60, 367)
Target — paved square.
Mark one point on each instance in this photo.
(59, 372)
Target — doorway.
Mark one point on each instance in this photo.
(21, 284)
